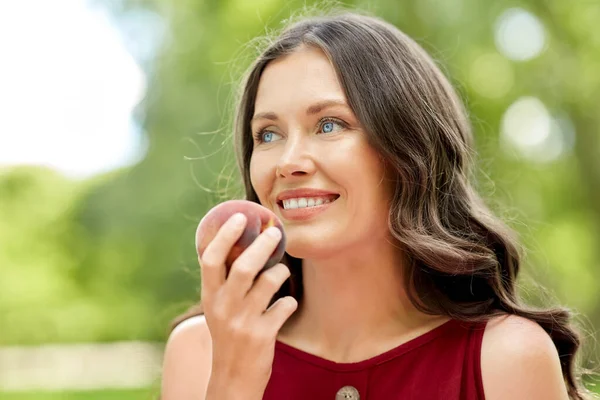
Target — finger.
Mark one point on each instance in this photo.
(279, 312)
(213, 259)
(265, 287)
(245, 268)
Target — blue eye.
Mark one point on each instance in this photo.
(329, 125)
(264, 136)
(267, 135)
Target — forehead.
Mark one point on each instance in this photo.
(296, 80)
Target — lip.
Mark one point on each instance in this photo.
(299, 214)
(303, 192)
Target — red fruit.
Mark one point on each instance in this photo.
(258, 217)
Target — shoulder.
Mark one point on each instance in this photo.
(519, 361)
(193, 329)
(187, 360)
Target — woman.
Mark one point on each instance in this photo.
(402, 285)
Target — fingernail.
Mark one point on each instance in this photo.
(238, 219)
(274, 232)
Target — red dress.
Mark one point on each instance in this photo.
(442, 364)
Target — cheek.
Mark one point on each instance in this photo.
(260, 174)
(369, 183)
(255, 174)
(358, 167)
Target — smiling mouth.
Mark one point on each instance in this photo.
(329, 201)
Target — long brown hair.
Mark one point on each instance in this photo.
(463, 261)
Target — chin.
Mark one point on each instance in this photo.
(307, 248)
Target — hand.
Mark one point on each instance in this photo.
(243, 330)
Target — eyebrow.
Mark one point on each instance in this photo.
(312, 110)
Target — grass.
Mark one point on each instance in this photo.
(140, 394)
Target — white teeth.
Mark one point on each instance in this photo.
(303, 202)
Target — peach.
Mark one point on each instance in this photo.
(258, 217)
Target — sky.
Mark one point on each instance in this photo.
(68, 87)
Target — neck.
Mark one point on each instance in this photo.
(353, 300)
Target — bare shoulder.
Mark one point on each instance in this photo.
(193, 329)
(187, 361)
(519, 361)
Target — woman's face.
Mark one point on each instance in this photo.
(306, 136)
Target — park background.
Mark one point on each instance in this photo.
(114, 141)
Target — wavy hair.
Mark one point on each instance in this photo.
(463, 261)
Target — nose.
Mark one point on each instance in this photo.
(296, 159)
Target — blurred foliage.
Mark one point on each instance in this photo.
(137, 394)
(113, 257)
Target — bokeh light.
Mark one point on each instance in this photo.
(528, 128)
(519, 35)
